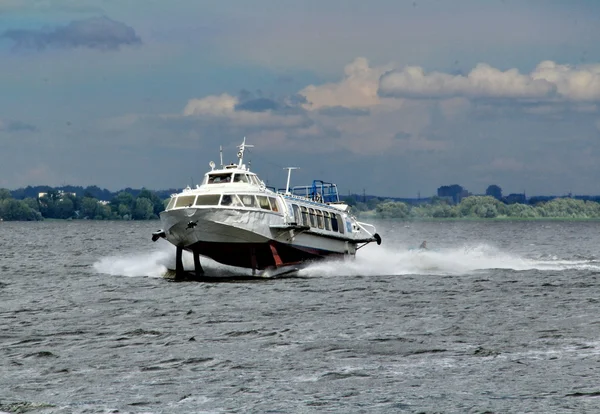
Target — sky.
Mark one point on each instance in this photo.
(390, 97)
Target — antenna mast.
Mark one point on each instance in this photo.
(221, 155)
(241, 151)
(287, 186)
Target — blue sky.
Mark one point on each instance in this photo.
(394, 97)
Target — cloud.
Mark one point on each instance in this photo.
(339, 111)
(258, 105)
(483, 81)
(94, 33)
(358, 88)
(220, 105)
(548, 82)
(17, 126)
(572, 83)
(254, 113)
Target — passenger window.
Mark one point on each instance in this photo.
(185, 201)
(334, 222)
(248, 200)
(305, 220)
(263, 202)
(313, 219)
(208, 200)
(273, 204)
(319, 218)
(327, 220)
(297, 215)
(340, 223)
(171, 203)
(231, 200)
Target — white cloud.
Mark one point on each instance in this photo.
(548, 82)
(483, 81)
(221, 105)
(223, 108)
(358, 88)
(572, 83)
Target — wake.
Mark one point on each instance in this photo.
(379, 260)
(158, 262)
(370, 261)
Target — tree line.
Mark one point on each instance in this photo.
(59, 204)
(482, 207)
(146, 205)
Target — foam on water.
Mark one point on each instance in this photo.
(157, 263)
(379, 260)
(372, 260)
(152, 264)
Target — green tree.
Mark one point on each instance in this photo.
(521, 211)
(11, 209)
(5, 194)
(65, 208)
(393, 209)
(103, 212)
(123, 204)
(481, 206)
(32, 203)
(157, 203)
(89, 207)
(143, 209)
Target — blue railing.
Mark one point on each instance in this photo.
(318, 191)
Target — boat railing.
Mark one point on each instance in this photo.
(319, 191)
(369, 228)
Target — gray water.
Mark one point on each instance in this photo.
(494, 317)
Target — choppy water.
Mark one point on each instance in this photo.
(495, 317)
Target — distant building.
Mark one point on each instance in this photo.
(454, 193)
(61, 194)
(515, 199)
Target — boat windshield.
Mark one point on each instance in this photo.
(219, 178)
(240, 178)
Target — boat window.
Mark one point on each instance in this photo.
(340, 223)
(319, 218)
(297, 215)
(313, 217)
(240, 178)
(208, 200)
(248, 200)
(231, 200)
(219, 178)
(274, 206)
(327, 220)
(171, 203)
(255, 179)
(185, 201)
(334, 222)
(305, 220)
(263, 202)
